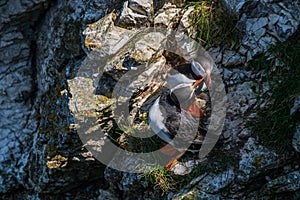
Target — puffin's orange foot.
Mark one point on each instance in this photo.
(174, 161)
(171, 164)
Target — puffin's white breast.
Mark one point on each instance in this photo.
(156, 120)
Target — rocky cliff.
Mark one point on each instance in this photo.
(45, 47)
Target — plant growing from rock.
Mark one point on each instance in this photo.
(160, 178)
(213, 24)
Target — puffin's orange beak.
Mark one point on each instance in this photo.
(197, 83)
(202, 79)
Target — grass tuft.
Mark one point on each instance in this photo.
(213, 24)
(160, 178)
(165, 180)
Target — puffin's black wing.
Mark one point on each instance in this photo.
(178, 122)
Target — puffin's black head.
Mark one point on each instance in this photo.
(198, 70)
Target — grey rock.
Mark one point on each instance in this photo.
(35, 42)
(97, 37)
(184, 25)
(227, 73)
(183, 168)
(273, 19)
(132, 185)
(126, 181)
(235, 126)
(244, 133)
(296, 139)
(235, 5)
(136, 13)
(207, 186)
(148, 46)
(265, 23)
(243, 51)
(287, 183)
(249, 24)
(216, 54)
(241, 97)
(214, 183)
(166, 14)
(231, 58)
(260, 23)
(144, 7)
(296, 106)
(265, 42)
(260, 33)
(285, 28)
(254, 157)
(17, 87)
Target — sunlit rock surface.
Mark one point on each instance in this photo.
(136, 13)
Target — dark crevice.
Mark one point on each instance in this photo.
(3, 3)
(34, 28)
(34, 89)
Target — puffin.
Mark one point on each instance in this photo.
(177, 104)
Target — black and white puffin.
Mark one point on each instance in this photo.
(177, 104)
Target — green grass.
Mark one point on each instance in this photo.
(166, 181)
(213, 23)
(129, 135)
(274, 125)
(160, 178)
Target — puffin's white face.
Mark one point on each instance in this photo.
(198, 69)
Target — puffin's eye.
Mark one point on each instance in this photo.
(197, 69)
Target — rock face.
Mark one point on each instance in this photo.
(38, 40)
(136, 13)
(17, 77)
(44, 43)
(264, 23)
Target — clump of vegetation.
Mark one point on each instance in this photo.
(131, 135)
(166, 181)
(274, 125)
(213, 23)
(160, 178)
